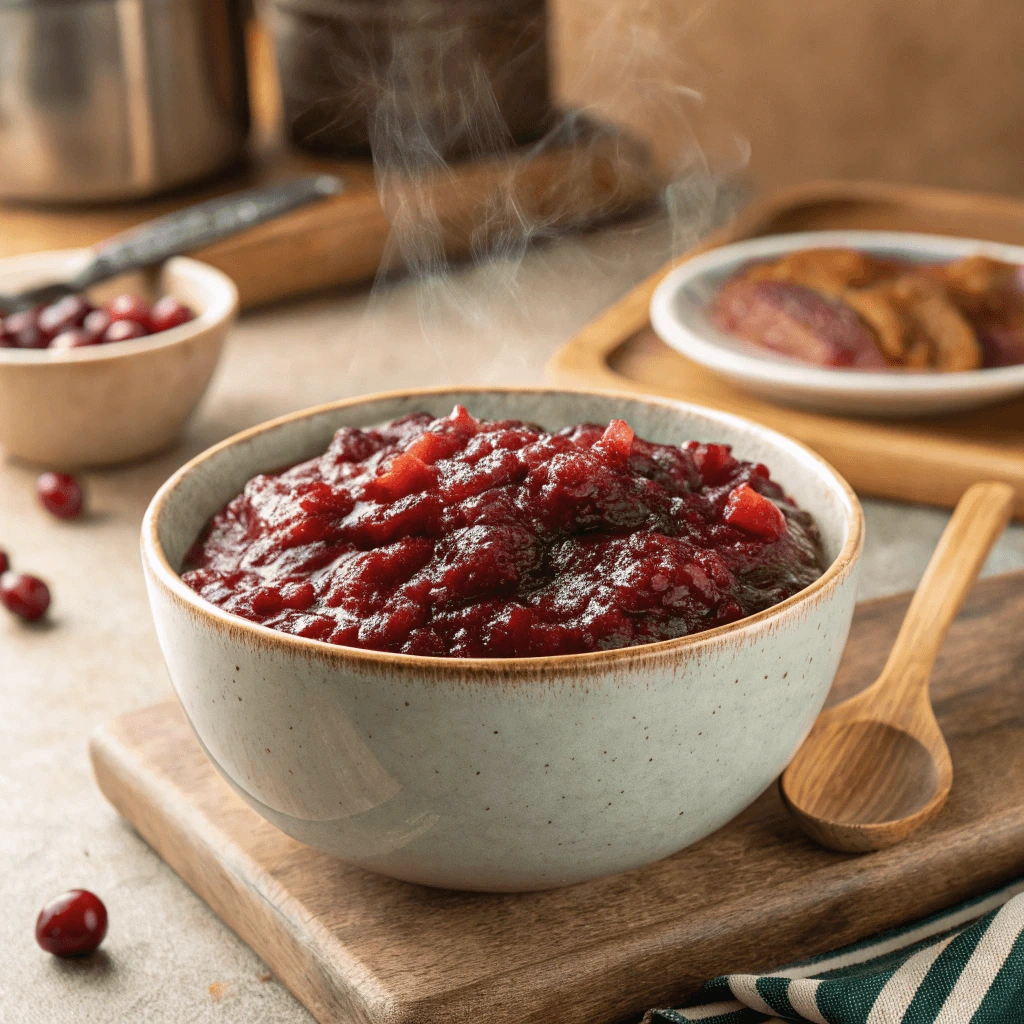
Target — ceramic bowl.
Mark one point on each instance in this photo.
(111, 403)
(679, 316)
(500, 774)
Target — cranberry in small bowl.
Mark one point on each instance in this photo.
(86, 386)
(502, 639)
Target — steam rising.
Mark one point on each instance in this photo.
(640, 150)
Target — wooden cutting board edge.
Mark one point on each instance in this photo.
(127, 781)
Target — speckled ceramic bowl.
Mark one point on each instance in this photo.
(503, 774)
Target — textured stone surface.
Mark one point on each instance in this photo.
(167, 959)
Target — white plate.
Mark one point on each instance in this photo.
(679, 316)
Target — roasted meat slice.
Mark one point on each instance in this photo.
(925, 307)
(829, 271)
(823, 305)
(979, 285)
(796, 321)
(990, 294)
(876, 308)
(916, 325)
(1002, 340)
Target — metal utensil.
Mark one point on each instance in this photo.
(179, 232)
(115, 99)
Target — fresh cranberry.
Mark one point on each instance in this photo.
(168, 312)
(76, 337)
(24, 596)
(22, 331)
(96, 323)
(5, 562)
(129, 307)
(63, 315)
(123, 330)
(61, 494)
(72, 924)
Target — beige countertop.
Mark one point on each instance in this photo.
(167, 959)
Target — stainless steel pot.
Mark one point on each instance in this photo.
(115, 99)
(413, 79)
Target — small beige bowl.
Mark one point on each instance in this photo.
(111, 403)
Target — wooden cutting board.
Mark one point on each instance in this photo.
(931, 461)
(591, 176)
(358, 947)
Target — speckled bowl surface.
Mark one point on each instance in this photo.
(500, 774)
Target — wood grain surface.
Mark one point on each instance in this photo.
(931, 460)
(357, 947)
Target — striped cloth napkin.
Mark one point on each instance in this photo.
(962, 966)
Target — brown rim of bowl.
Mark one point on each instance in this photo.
(218, 313)
(156, 562)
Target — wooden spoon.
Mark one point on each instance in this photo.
(876, 767)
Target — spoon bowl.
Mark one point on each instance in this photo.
(880, 784)
(877, 767)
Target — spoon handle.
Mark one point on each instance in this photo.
(980, 517)
(201, 224)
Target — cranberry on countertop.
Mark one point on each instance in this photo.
(72, 924)
(168, 312)
(129, 307)
(61, 494)
(124, 330)
(5, 562)
(24, 596)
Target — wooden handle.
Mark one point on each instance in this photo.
(978, 520)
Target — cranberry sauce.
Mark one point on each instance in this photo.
(467, 538)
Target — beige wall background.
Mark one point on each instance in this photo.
(903, 90)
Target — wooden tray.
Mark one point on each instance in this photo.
(596, 177)
(358, 947)
(931, 461)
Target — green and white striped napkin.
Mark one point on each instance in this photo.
(962, 966)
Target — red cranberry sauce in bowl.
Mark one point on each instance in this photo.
(462, 537)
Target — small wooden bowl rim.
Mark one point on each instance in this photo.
(221, 309)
